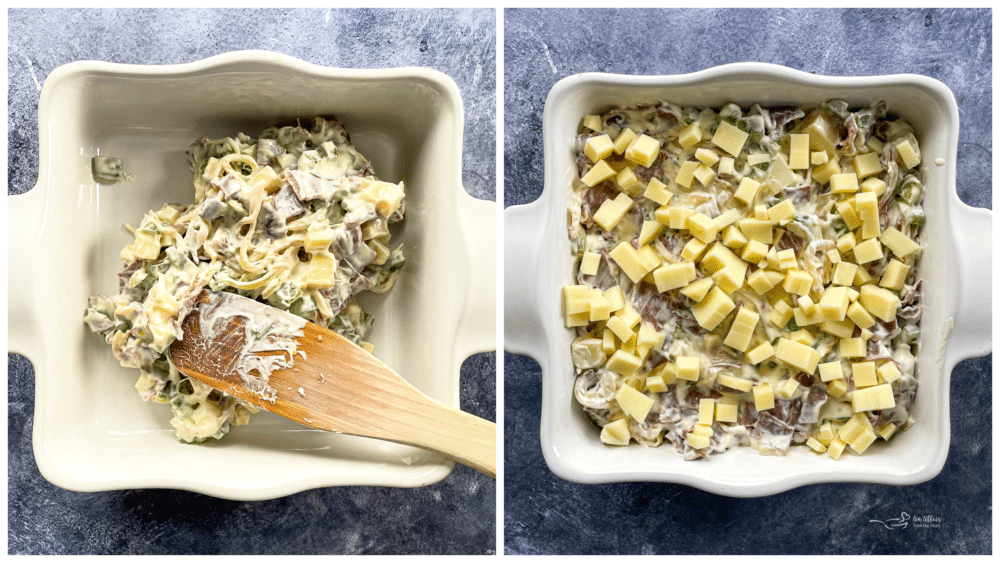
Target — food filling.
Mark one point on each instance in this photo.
(295, 218)
(746, 276)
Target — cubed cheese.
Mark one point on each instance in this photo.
(706, 411)
(688, 368)
(799, 356)
(864, 374)
(798, 151)
(747, 191)
(697, 289)
(830, 371)
(763, 397)
(657, 191)
(690, 136)
(713, 308)
(623, 363)
(624, 139)
(590, 263)
(878, 301)
(873, 398)
(627, 181)
(852, 348)
(643, 151)
(894, 275)
(759, 353)
(908, 154)
(598, 173)
(616, 433)
(868, 251)
(844, 183)
(628, 260)
(598, 148)
(685, 174)
(730, 138)
(634, 403)
(673, 276)
(783, 211)
(741, 331)
(867, 164)
(900, 244)
(612, 210)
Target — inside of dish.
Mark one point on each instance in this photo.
(746, 276)
(295, 218)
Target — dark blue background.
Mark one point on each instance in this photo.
(546, 515)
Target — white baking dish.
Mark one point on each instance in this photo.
(955, 266)
(91, 431)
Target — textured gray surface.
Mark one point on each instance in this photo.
(457, 515)
(545, 515)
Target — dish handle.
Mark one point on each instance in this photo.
(477, 331)
(25, 215)
(972, 332)
(523, 327)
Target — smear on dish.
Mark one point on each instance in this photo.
(746, 276)
(295, 218)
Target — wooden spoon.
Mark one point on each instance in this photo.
(321, 379)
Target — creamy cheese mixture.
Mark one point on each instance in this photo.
(295, 218)
(746, 276)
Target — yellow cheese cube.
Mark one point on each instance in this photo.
(889, 372)
(628, 260)
(627, 181)
(762, 281)
(854, 427)
(763, 397)
(826, 434)
(576, 298)
(783, 211)
(592, 122)
(688, 368)
(706, 411)
(823, 172)
(822, 131)
(799, 356)
(887, 430)
(655, 384)
(836, 388)
(649, 258)
(747, 191)
(657, 191)
(868, 251)
(718, 257)
(844, 273)
(864, 374)
(624, 139)
(873, 398)
(685, 174)
(662, 214)
(760, 213)
(867, 164)
(803, 336)
(697, 441)
(690, 136)
(780, 314)
(730, 138)
(726, 412)
(867, 206)
(787, 388)
(900, 244)
(726, 219)
(836, 448)
(755, 229)
(702, 227)
(649, 231)
(787, 259)
(852, 348)
(612, 211)
(616, 297)
(908, 154)
(727, 165)
(708, 157)
(840, 329)
(643, 151)
(742, 329)
(848, 213)
(861, 443)
(679, 216)
(834, 303)
(844, 183)
(759, 353)
(815, 445)
(830, 371)
(617, 326)
(731, 278)
(818, 157)
(616, 433)
(798, 282)
(590, 262)
(733, 382)
(629, 316)
(634, 403)
(697, 289)
(754, 251)
(862, 277)
(673, 276)
(693, 250)
(874, 185)
(608, 345)
(798, 151)
(713, 308)
(623, 363)
(598, 173)
(598, 148)
(894, 275)
(734, 238)
(860, 316)
(833, 255)
(879, 302)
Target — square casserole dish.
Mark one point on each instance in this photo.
(956, 322)
(91, 431)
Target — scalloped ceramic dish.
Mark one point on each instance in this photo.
(91, 431)
(956, 322)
